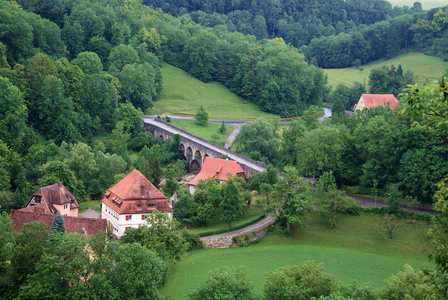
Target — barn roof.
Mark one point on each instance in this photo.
(218, 169)
(372, 100)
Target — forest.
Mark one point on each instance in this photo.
(331, 34)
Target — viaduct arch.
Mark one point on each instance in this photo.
(195, 149)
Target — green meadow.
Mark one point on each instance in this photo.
(426, 69)
(355, 250)
(182, 94)
(210, 132)
(426, 4)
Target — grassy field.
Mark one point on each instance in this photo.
(425, 68)
(96, 204)
(426, 4)
(210, 132)
(354, 250)
(182, 94)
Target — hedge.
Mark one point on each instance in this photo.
(362, 190)
(225, 230)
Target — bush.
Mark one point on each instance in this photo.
(193, 239)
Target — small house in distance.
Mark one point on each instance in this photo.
(52, 198)
(127, 203)
(216, 168)
(372, 100)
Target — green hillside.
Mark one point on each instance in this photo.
(426, 4)
(426, 69)
(182, 94)
(355, 250)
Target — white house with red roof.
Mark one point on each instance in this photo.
(127, 203)
(218, 169)
(372, 100)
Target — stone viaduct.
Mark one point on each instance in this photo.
(195, 149)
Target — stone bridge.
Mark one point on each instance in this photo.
(195, 149)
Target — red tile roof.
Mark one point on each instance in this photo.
(72, 224)
(53, 194)
(372, 100)
(218, 169)
(134, 194)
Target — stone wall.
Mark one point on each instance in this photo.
(233, 240)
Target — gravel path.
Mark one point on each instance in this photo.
(90, 213)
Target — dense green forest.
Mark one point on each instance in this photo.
(332, 34)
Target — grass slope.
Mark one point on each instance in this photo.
(425, 68)
(426, 4)
(182, 94)
(210, 132)
(356, 250)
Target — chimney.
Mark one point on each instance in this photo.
(142, 190)
(60, 184)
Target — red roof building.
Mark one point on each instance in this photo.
(52, 198)
(372, 100)
(127, 203)
(217, 168)
(72, 224)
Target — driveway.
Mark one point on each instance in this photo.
(90, 213)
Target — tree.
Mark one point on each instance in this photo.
(311, 116)
(334, 200)
(58, 223)
(171, 185)
(137, 272)
(305, 282)
(290, 200)
(407, 284)
(231, 206)
(89, 62)
(120, 139)
(338, 109)
(258, 136)
(130, 117)
(162, 237)
(201, 116)
(393, 202)
(320, 150)
(389, 225)
(224, 283)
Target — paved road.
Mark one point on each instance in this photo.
(266, 221)
(212, 146)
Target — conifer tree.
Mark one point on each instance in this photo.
(58, 223)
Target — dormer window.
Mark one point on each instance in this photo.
(139, 205)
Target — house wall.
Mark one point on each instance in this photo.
(361, 104)
(119, 222)
(66, 211)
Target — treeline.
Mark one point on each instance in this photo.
(333, 34)
(269, 72)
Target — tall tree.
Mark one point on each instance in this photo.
(290, 200)
(201, 116)
(58, 223)
(231, 206)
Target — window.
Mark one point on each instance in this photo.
(143, 217)
(65, 206)
(128, 217)
(139, 206)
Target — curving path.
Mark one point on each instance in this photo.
(262, 223)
